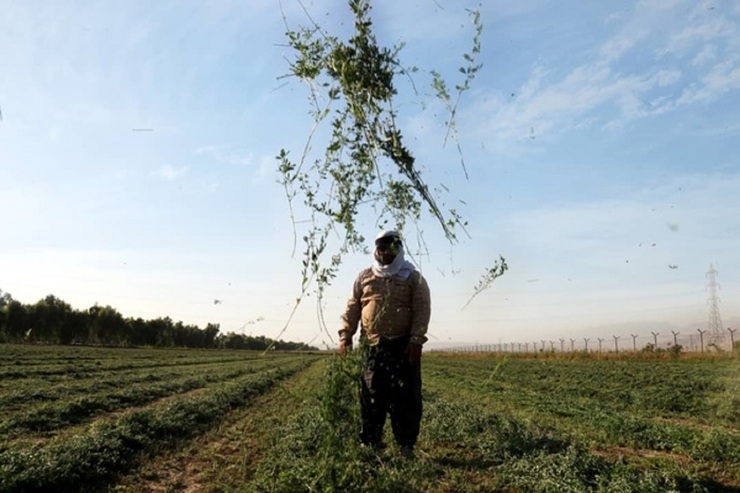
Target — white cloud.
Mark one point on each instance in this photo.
(616, 47)
(639, 72)
(615, 17)
(721, 79)
(697, 35)
(540, 109)
(169, 172)
(225, 154)
(706, 55)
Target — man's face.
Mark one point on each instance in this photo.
(387, 251)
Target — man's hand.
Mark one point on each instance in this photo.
(414, 352)
(344, 346)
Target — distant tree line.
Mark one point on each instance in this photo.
(53, 321)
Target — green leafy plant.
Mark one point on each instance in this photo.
(491, 274)
(366, 165)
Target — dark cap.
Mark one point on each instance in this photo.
(388, 236)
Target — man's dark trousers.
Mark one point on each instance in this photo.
(390, 385)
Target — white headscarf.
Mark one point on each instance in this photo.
(400, 267)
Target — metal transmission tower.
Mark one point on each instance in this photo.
(715, 328)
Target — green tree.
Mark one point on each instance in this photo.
(48, 318)
(107, 326)
(210, 333)
(164, 331)
(142, 332)
(5, 299)
(17, 320)
(232, 341)
(74, 328)
(258, 343)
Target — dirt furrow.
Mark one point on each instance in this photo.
(225, 458)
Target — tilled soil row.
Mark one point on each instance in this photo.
(225, 458)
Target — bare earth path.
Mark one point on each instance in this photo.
(225, 458)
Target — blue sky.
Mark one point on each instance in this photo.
(601, 141)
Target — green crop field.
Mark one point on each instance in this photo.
(146, 420)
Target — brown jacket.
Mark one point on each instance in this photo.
(388, 307)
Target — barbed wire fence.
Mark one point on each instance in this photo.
(696, 342)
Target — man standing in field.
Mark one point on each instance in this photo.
(390, 300)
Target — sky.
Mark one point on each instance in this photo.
(601, 141)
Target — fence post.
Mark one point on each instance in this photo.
(616, 345)
(732, 338)
(701, 337)
(586, 339)
(655, 339)
(675, 338)
(634, 342)
(600, 341)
